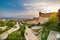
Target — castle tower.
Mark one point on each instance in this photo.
(40, 14)
(59, 11)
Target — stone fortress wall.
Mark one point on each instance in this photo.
(41, 19)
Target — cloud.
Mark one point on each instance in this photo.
(43, 6)
(36, 4)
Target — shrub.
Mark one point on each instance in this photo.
(30, 25)
(1, 31)
(1, 23)
(22, 29)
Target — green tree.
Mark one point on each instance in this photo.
(1, 31)
(14, 36)
(1, 23)
(11, 23)
(22, 29)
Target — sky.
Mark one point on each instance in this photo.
(27, 8)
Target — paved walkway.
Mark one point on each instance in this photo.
(53, 35)
(38, 34)
(36, 27)
(3, 28)
(30, 35)
(5, 34)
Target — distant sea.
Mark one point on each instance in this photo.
(13, 18)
